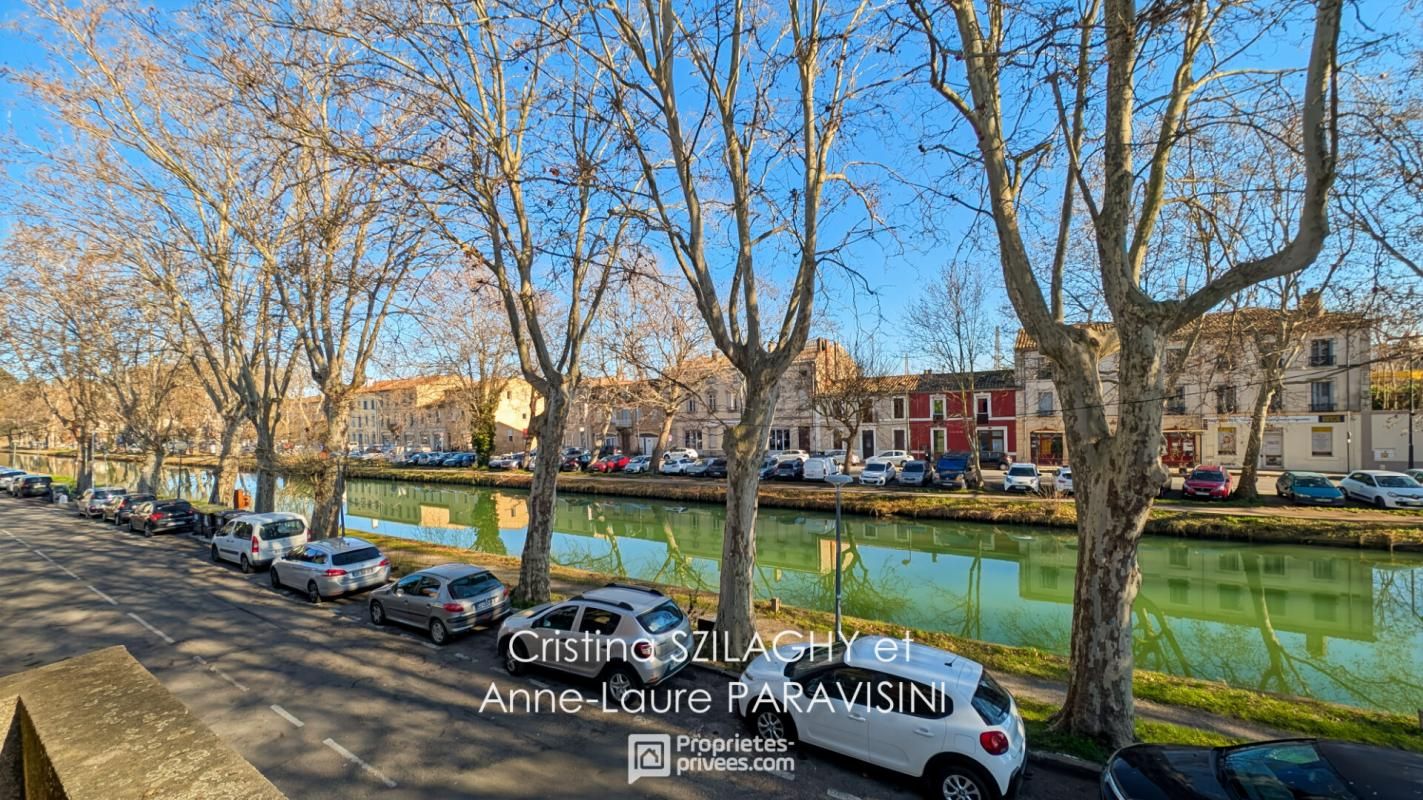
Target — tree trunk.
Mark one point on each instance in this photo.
(660, 447)
(328, 484)
(1116, 476)
(745, 448)
(84, 464)
(1250, 468)
(267, 466)
(543, 492)
(224, 476)
(150, 478)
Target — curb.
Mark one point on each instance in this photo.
(1065, 763)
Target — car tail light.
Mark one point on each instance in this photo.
(642, 649)
(155, 516)
(453, 608)
(254, 545)
(506, 592)
(334, 573)
(994, 742)
(384, 562)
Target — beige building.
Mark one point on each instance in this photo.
(1316, 422)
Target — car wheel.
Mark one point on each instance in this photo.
(275, 579)
(1379, 502)
(515, 658)
(377, 613)
(212, 553)
(312, 593)
(246, 566)
(958, 781)
(439, 634)
(769, 722)
(621, 680)
(147, 532)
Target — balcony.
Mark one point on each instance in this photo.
(1317, 406)
(1045, 412)
(1321, 359)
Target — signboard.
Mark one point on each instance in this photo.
(1385, 454)
(1331, 417)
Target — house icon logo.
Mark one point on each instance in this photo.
(649, 756)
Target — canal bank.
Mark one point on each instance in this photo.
(1337, 527)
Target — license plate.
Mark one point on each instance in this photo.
(483, 605)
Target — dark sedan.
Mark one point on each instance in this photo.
(792, 469)
(163, 516)
(119, 509)
(1293, 768)
(716, 468)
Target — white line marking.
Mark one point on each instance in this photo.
(160, 634)
(214, 670)
(111, 601)
(287, 715)
(463, 657)
(430, 645)
(66, 571)
(788, 776)
(41, 554)
(200, 660)
(539, 683)
(835, 795)
(355, 759)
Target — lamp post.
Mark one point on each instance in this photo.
(838, 480)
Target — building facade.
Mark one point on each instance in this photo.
(933, 413)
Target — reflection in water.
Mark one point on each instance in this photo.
(1340, 625)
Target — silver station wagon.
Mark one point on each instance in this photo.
(443, 600)
(256, 540)
(331, 567)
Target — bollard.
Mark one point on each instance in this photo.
(776, 607)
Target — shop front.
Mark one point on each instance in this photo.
(1182, 449)
(1046, 447)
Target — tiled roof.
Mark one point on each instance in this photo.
(984, 380)
(1239, 319)
(397, 384)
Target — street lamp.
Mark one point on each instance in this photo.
(838, 480)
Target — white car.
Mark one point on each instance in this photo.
(819, 468)
(1022, 478)
(841, 456)
(877, 473)
(681, 452)
(1063, 482)
(895, 457)
(256, 540)
(907, 707)
(676, 465)
(1382, 488)
(786, 455)
(638, 464)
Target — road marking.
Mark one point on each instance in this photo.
(787, 776)
(463, 657)
(539, 683)
(41, 554)
(200, 660)
(287, 715)
(160, 634)
(214, 670)
(355, 759)
(66, 571)
(430, 645)
(111, 601)
(834, 795)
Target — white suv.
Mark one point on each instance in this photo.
(256, 540)
(818, 468)
(904, 706)
(1022, 478)
(895, 457)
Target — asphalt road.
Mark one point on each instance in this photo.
(328, 706)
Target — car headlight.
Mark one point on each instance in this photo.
(1395, 495)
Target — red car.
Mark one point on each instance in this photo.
(613, 463)
(1207, 481)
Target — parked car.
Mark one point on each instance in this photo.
(1415, 474)
(926, 712)
(789, 469)
(716, 468)
(1022, 478)
(1209, 481)
(785, 455)
(877, 473)
(30, 485)
(1290, 768)
(629, 637)
(91, 502)
(916, 473)
(951, 470)
(163, 516)
(697, 469)
(506, 461)
(676, 465)
(443, 601)
(680, 452)
(530, 461)
(1383, 488)
(1310, 488)
(842, 457)
(818, 468)
(121, 507)
(638, 464)
(7, 475)
(895, 457)
(1063, 482)
(995, 459)
(613, 463)
(331, 567)
(768, 466)
(256, 540)
(572, 461)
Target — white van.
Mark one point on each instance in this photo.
(256, 540)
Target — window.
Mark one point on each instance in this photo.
(711, 400)
(1044, 404)
(897, 406)
(693, 439)
(1047, 577)
(355, 556)
(661, 619)
(474, 585)
(780, 439)
(936, 408)
(1321, 440)
(1230, 562)
(1180, 591)
(1323, 569)
(1229, 597)
(691, 405)
(559, 619)
(599, 621)
(1176, 403)
(1321, 353)
(1273, 565)
(1321, 396)
(1276, 601)
(1225, 441)
(1326, 607)
(1181, 557)
(990, 701)
(1225, 400)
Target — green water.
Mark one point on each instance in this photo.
(1340, 625)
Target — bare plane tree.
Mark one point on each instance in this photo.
(1156, 82)
(847, 388)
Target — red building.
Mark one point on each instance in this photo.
(925, 414)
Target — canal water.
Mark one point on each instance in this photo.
(1336, 624)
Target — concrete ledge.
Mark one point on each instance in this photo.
(101, 727)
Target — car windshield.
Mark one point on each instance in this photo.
(357, 555)
(816, 657)
(1397, 482)
(473, 585)
(1284, 770)
(914, 466)
(1207, 475)
(661, 619)
(283, 529)
(1312, 482)
(991, 701)
(1022, 470)
(875, 467)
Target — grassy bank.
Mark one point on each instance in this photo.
(1394, 530)
(1300, 716)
